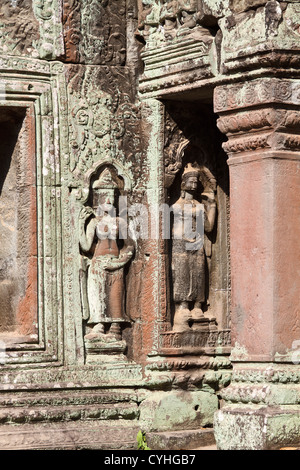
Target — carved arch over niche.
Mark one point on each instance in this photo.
(191, 151)
(189, 137)
(98, 167)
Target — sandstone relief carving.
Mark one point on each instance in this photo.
(48, 13)
(166, 20)
(191, 219)
(93, 127)
(106, 250)
(95, 31)
(19, 29)
(104, 120)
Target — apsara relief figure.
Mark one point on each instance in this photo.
(192, 219)
(108, 253)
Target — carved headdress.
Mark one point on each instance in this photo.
(189, 170)
(104, 186)
(105, 181)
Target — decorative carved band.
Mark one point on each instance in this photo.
(256, 93)
(259, 119)
(246, 394)
(269, 375)
(246, 121)
(244, 144)
(72, 435)
(196, 339)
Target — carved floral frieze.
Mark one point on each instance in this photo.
(256, 92)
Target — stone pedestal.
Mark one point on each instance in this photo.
(99, 352)
(106, 347)
(261, 120)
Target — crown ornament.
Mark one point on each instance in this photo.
(191, 170)
(105, 181)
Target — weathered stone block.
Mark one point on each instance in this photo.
(168, 411)
(19, 28)
(95, 32)
(256, 428)
(70, 436)
(180, 440)
(237, 6)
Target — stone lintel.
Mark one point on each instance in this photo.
(179, 64)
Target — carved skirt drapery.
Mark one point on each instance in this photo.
(188, 272)
(105, 292)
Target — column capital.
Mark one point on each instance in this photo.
(260, 115)
(257, 92)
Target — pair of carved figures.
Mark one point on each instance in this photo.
(99, 237)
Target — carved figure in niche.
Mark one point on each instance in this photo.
(188, 254)
(99, 240)
(95, 130)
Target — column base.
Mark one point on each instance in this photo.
(253, 427)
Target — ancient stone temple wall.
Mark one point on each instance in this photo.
(149, 228)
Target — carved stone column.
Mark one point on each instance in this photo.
(261, 119)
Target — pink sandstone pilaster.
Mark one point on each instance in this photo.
(261, 121)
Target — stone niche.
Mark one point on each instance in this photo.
(193, 142)
(30, 220)
(18, 265)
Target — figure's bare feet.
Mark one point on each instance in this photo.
(197, 313)
(94, 336)
(181, 319)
